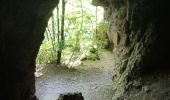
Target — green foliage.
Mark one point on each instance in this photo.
(91, 57)
(101, 36)
(46, 53)
(79, 25)
(103, 26)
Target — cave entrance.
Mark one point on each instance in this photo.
(73, 30)
(72, 56)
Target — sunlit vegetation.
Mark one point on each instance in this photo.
(72, 34)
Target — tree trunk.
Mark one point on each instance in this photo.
(61, 44)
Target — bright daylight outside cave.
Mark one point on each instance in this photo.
(75, 54)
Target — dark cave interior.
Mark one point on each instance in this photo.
(142, 48)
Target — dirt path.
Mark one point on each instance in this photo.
(92, 78)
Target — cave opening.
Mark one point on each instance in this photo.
(139, 30)
(86, 64)
(84, 31)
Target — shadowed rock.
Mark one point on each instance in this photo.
(71, 96)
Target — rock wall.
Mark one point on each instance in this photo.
(22, 25)
(140, 36)
(139, 30)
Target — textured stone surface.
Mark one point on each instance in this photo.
(142, 26)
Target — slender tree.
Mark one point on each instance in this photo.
(53, 33)
(97, 51)
(58, 25)
(77, 44)
(62, 41)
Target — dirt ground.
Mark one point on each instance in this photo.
(92, 78)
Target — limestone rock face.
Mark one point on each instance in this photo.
(138, 30)
(22, 25)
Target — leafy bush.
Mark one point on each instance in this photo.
(46, 53)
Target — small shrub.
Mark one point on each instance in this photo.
(46, 54)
